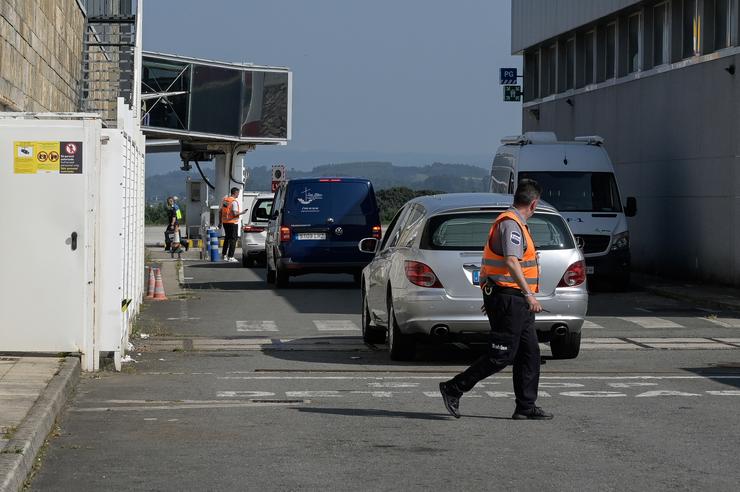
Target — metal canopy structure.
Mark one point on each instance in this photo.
(204, 101)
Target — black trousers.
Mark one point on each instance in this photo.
(232, 234)
(513, 341)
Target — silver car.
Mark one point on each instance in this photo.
(423, 280)
(254, 230)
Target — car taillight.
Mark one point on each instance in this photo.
(248, 228)
(376, 232)
(420, 274)
(284, 234)
(574, 275)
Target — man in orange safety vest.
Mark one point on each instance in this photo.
(229, 218)
(509, 278)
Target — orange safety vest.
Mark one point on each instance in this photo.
(493, 268)
(227, 216)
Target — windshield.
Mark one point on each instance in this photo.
(347, 203)
(468, 231)
(578, 191)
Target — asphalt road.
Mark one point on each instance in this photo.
(245, 387)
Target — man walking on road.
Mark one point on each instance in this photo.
(230, 213)
(509, 277)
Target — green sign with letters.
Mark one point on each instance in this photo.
(512, 93)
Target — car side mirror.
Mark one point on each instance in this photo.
(369, 245)
(630, 209)
(273, 216)
(580, 242)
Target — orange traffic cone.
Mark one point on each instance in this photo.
(159, 287)
(150, 289)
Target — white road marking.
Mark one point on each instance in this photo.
(193, 406)
(244, 394)
(266, 325)
(631, 385)
(312, 394)
(593, 394)
(592, 326)
(644, 310)
(335, 325)
(724, 393)
(651, 322)
(649, 394)
(724, 322)
(393, 385)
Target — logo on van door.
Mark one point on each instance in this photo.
(309, 197)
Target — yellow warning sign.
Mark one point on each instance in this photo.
(33, 157)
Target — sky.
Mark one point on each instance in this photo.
(401, 80)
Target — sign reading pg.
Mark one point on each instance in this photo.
(35, 157)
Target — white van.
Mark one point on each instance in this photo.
(578, 179)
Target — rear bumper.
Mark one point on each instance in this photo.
(612, 264)
(418, 312)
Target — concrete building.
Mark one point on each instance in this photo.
(658, 80)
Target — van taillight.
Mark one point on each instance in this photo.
(420, 274)
(332, 180)
(284, 234)
(575, 275)
(249, 228)
(376, 232)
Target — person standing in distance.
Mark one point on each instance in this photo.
(229, 218)
(509, 278)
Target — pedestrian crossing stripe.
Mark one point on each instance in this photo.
(335, 325)
(724, 322)
(651, 322)
(591, 325)
(253, 326)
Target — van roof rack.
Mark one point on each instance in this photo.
(591, 140)
(530, 138)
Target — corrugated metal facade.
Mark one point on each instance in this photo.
(534, 21)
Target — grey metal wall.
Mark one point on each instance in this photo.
(534, 21)
(674, 140)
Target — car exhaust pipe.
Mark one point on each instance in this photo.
(559, 330)
(440, 331)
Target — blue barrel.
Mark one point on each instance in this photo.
(213, 239)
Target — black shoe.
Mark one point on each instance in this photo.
(535, 413)
(451, 397)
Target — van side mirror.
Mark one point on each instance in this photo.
(630, 209)
(369, 245)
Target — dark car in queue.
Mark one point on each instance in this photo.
(315, 226)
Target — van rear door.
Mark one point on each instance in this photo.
(354, 214)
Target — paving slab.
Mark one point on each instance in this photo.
(33, 391)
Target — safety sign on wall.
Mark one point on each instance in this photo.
(47, 157)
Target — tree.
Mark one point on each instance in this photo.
(392, 199)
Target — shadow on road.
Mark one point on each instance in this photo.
(715, 372)
(375, 412)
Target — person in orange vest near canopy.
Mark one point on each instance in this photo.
(229, 218)
(509, 278)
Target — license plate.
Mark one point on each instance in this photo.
(311, 236)
(476, 277)
(589, 270)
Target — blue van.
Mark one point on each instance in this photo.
(316, 225)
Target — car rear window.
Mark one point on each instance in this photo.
(261, 210)
(346, 202)
(468, 231)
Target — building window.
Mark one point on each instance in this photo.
(633, 43)
(611, 51)
(532, 75)
(661, 42)
(570, 63)
(722, 24)
(589, 52)
(691, 28)
(549, 55)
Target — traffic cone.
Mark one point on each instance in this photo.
(152, 281)
(159, 287)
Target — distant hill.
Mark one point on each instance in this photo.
(450, 178)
